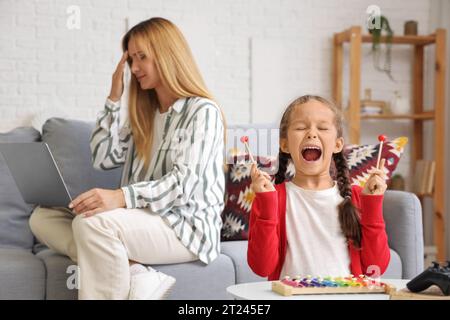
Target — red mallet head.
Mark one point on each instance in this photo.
(244, 140)
(382, 137)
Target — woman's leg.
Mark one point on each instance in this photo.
(108, 240)
(53, 227)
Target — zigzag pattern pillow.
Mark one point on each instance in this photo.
(239, 197)
(362, 160)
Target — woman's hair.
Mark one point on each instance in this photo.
(177, 70)
(348, 213)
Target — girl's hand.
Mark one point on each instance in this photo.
(117, 79)
(376, 184)
(97, 200)
(260, 180)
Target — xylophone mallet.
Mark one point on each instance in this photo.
(244, 140)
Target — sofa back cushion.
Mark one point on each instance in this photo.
(69, 142)
(14, 212)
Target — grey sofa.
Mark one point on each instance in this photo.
(29, 270)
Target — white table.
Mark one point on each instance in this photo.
(263, 291)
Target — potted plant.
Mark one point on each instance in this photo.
(376, 45)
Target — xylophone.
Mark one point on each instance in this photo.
(330, 285)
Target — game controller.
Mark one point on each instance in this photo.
(435, 275)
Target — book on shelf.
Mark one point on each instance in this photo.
(373, 107)
(424, 175)
(366, 110)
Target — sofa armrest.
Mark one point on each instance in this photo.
(403, 216)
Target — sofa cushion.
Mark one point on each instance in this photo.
(22, 275)
(57, 266)
(237, 251)
(395, 267)
(195, 280)
(14, 212)
(403, 216)
(69, 142)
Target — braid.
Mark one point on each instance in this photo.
(348, 214)
(283, 160)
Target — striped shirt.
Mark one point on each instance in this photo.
(184, 182)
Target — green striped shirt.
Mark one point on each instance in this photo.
(185, 182)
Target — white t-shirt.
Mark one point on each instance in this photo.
(158, 131)
(315, 243)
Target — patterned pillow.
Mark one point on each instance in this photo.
(362, 160)
(239, 196)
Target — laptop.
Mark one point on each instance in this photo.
(36, 174)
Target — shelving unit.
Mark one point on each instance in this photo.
(355, 39)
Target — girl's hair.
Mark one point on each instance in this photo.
(348, 213)
(175, 64)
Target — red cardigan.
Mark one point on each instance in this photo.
(267, 234)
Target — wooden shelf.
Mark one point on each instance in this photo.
(425, 195)
(420, 116)
(355, 39)
(346, 35)
(414, 40)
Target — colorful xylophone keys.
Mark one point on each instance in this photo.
(349, 281)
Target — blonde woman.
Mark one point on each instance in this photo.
(172, 189)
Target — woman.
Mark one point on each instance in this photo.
(171, 148)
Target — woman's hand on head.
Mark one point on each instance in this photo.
(117, 79)
(260, 180)
(376, 184)
(97, 200)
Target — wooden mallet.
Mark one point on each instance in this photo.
(382, 138)
(244, 140)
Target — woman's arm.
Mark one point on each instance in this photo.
(195, 148)
(263, 239)
(109, 141)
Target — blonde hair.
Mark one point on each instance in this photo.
(174, 62)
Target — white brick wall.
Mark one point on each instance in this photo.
(44, 66)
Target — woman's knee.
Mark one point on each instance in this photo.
(80, 225)
(83, 227)
(37, 221)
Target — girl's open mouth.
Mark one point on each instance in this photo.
(311, 153)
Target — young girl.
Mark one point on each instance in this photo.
(172, 189)
(314, 225)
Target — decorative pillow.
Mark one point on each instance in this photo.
(239, 196)
(362, 160)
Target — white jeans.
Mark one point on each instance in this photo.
(103, 244)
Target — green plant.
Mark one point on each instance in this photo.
(376, 45)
